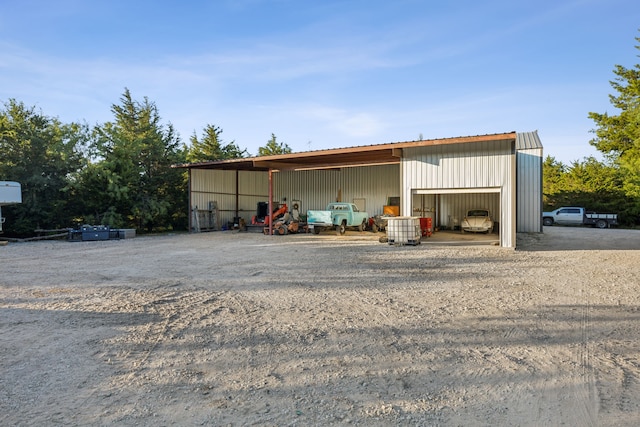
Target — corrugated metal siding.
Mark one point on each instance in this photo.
(316, 188)
(528, 141)
(453, 207)
(529, 192)
(485, 165)
(220, 186)
(453, 178)
(457, 166)
(424, 205)
(529, 182)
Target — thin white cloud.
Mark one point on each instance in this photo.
(356, 78)
(355, 124)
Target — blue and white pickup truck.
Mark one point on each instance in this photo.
(338, 215)
(578, 216)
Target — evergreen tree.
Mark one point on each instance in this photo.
(596, 186)
(131, 182)
(618, 136)
(590, 183)
(43, 155)
(210, 147)
(273, 147)
(553, 179)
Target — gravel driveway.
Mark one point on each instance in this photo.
(231, 328)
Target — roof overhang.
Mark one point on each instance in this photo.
(368, 155)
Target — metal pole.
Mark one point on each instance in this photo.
(270, 203)
(237, 195)
(189, 201)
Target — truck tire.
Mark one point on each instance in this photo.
(601, 223)
(316, 230)
(547, 221)
(341, 228)
(362, 226)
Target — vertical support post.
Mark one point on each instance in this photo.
(237, 195)
(512, 208)
(270, 202)
(189, 201)
(436, 214)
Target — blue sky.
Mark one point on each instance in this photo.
(326, 73)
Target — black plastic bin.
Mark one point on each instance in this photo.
(95, 232)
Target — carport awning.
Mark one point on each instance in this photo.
(340, 157)
(457, 190)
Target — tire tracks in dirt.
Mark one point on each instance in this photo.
(586, 406)
(179, 312)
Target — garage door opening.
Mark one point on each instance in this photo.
(448, 207)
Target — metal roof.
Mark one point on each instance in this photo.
(528, 140)
(340, 157)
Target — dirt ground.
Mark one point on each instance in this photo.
(230, 328)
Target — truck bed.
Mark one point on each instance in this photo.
(592, 218)
(593, 215)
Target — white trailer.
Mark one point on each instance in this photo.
(10, 193)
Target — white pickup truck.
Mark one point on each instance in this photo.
(579, 216)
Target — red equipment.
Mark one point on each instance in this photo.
(262, 219)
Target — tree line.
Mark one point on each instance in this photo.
(611, 185)
(118, 173)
